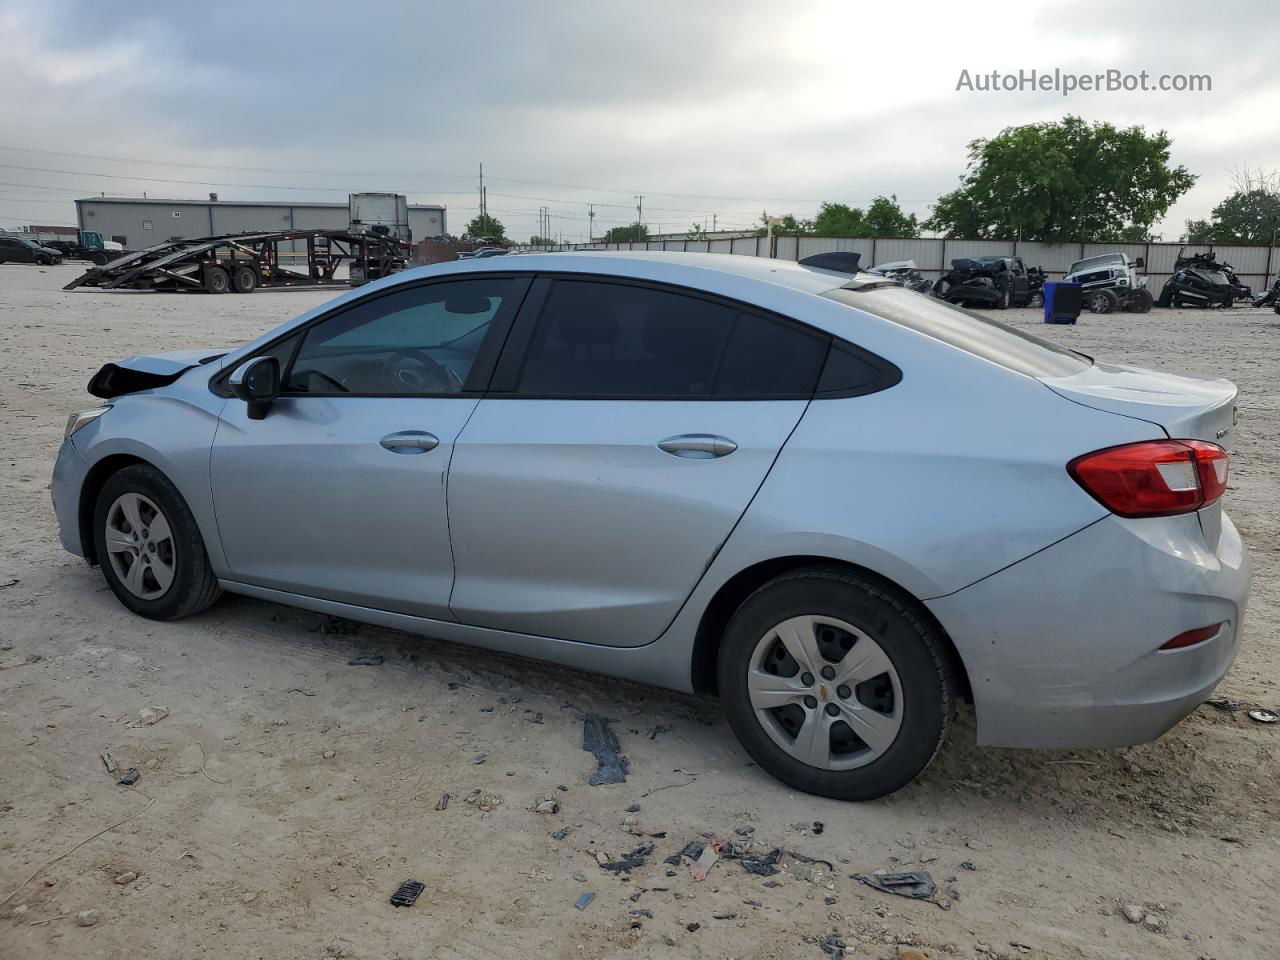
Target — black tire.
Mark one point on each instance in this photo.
(244, 280)
(99, 259)
(1166, 297)
(1005, 299)
(912, 644)
(42, 260)
(216, 280)
(1102, 301)
(1142, 301)
(194, 585)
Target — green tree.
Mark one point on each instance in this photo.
(485, 225)
(839, 220)
(1249, 216)
(631, 233)
(787, 224)
(697, 231)
(1064, 180)
(538, 241)
(886, 219)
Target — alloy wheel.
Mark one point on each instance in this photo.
(140, 546)
(825, 692)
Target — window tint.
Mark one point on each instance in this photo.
(769, 358)
(599, 339)
(613, 340)
(421, 340)
(979, 335)
(846, 371)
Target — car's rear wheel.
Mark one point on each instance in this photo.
(149, 547)
(1102, 301)
(835, 684)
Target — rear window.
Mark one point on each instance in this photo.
(1011, 348)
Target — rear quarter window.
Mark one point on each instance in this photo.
(1000, 343)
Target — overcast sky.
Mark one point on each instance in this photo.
(724, 108)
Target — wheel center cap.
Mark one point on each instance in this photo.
(823, 694)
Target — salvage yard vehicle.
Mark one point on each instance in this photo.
(1201, 281)
(837, 504)
(906, 272)
(1111, 282)
(989, 281)
(25, 250)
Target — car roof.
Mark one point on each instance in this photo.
(688, 269)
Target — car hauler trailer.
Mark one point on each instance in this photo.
(242, 262)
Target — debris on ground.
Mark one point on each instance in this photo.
(968, 865)
(580, 877)
(407, 893)
(129, 777)
(126, 878)
(643, 913)
(561, 833)
(1132, 912)
(764, 866)
(443, 802)
(1263, 716)
(87, 918)
(328, 755)
(633, 808)
(916, 884)
(1223, 704)
(109, 762)
(546, 805)
(724, 915)
(148, 716)
(479, 758)
(375, 660)
(833, 945)
(600, 740)
(629, 861)
(484, 801)
(702, 866)
(305, 693)
(582, 901)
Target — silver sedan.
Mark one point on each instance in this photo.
(837, 504)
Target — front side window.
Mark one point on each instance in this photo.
(596, 339)
(421, 340)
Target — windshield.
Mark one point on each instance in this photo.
(1008, 346)
(1091, 262)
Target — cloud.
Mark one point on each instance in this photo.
(703, 107)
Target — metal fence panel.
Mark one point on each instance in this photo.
(784, 248)
(720, 246)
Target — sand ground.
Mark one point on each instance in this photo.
(287, 794)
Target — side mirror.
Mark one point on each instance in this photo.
(1139, 262)
(257, 383)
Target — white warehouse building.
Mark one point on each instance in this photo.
(137, 223)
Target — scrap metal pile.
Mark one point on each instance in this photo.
(242, 262)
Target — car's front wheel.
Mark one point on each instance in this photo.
(149, 546)
(835, 684)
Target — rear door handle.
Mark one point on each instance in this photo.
(697, 446)
(410, 441)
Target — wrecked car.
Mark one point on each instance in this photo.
(1200, 280)
(991, 281)
(1111, 282)
(905, 272)
(836, 504)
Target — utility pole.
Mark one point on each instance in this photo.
(482, 193)
(640, 211)
(713, 223)
(591, 222)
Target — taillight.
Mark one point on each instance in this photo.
(1155, 478)
(1193, 637)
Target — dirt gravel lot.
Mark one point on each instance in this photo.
(287, 794)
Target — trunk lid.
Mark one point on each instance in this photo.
(1186, 408)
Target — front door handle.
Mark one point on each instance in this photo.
(697, 446)
(410, 441)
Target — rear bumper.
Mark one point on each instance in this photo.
(1062, 649)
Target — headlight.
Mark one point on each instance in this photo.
(83, 418)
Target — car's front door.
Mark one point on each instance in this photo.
(339, 492)
(626, 430)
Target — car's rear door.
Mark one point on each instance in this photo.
(626, 430)
(339, 492)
